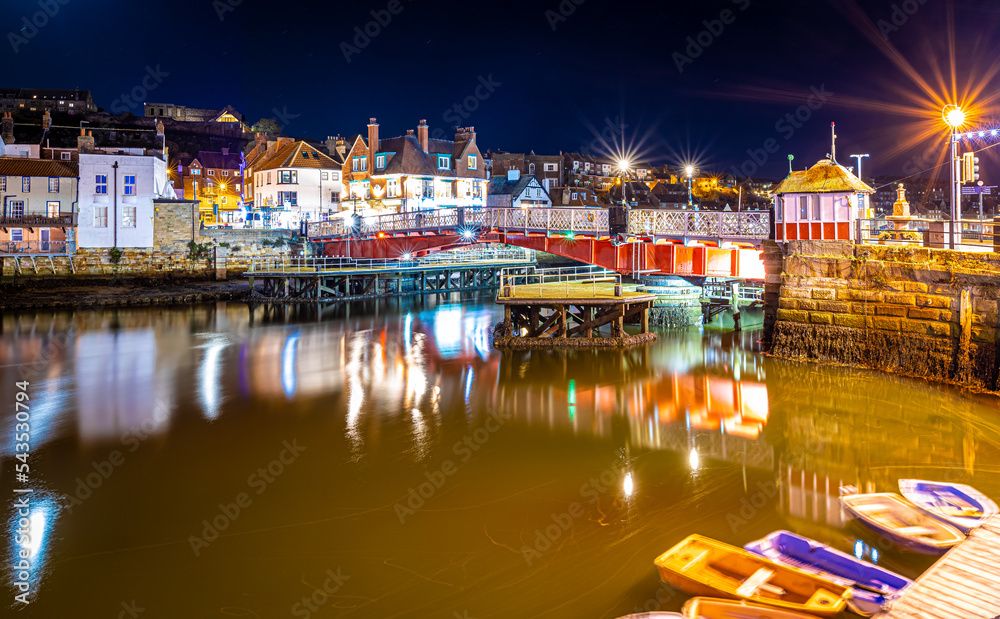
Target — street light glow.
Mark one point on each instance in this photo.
(689, 170)
(954, 116)
(623, 165)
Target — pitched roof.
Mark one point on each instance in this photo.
(20, 166)
(824, 177)
(298, 155)
(410, 159)
(501, 186)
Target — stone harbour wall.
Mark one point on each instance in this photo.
(908, 310)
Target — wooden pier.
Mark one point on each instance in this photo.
(327, 279)
(570, 312)
(964, 583)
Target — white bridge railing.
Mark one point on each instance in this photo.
(750, 225)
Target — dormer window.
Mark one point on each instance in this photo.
(380, 161)
(444, 162)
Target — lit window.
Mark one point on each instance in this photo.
(25, 183)
(817, 212)
(223, 200)
(550, 167)
(101, 186)
(354, 164)
(52, 209)
(379, 161)
(473, 163)
(444, 162)
(194, 171)
(15, 208)
(130, 185)
(364, 163)
(16, 235)
(100, 217)
(128, 216)
(286, 177)
(334, 176)
(803, 208)
(325, 176)
(268, 178)
(3, 183)
(392, 187)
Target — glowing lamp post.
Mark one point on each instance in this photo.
(954, 117)
(623, 167)
(690, 172)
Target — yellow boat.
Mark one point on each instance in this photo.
(702, 566)
(715, 608)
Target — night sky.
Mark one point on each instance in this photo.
(544, 75)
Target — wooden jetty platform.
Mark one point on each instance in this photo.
(964, 583)
(567, 308)
(327, 279)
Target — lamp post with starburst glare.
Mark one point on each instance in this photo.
(954, 117)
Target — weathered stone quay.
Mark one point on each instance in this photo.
(909, 310)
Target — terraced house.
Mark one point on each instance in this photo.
(414, 171)
(39, 205)
(296, 183)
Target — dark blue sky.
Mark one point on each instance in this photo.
(547, 75)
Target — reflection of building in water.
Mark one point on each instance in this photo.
(118, 385)
(811, 496)
(691, 397)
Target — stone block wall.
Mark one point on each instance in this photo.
(915, 311)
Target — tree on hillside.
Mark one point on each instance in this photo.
(269, 126)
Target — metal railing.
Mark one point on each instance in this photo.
(295, 264)
(512, 278)
(34, 248)
(750, 225)
(41, 221)
(714, 289)
(969, 234)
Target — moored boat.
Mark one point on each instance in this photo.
(961, 506)
(871, 586)
(715, 608)
(901, 522)
(702, 566)
(653, 615)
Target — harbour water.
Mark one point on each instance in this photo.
(380, 459)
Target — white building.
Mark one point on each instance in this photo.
(300, 181)
(822, 202)
(517, 191)
(116, 199)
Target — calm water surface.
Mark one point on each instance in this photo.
(381, 460)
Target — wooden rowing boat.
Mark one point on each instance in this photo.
(715, 608)
(900, 521)
(961, 506)
(702, 566)
(871, 586)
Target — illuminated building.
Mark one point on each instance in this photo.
(514, 190)
(415, 171)
(297, 180)
(38, 204)
(215, 179)
(819, 203)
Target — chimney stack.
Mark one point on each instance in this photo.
(409, 132)
(7, 128)
(85, 143)
(422, 135)
(159, 127)
(46, 121)
(373, 144)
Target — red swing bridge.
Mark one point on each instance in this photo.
(653, 242)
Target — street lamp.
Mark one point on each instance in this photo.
(623, 167)
(954, 117)
(690, 172)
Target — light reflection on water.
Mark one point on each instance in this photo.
(653, 443)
